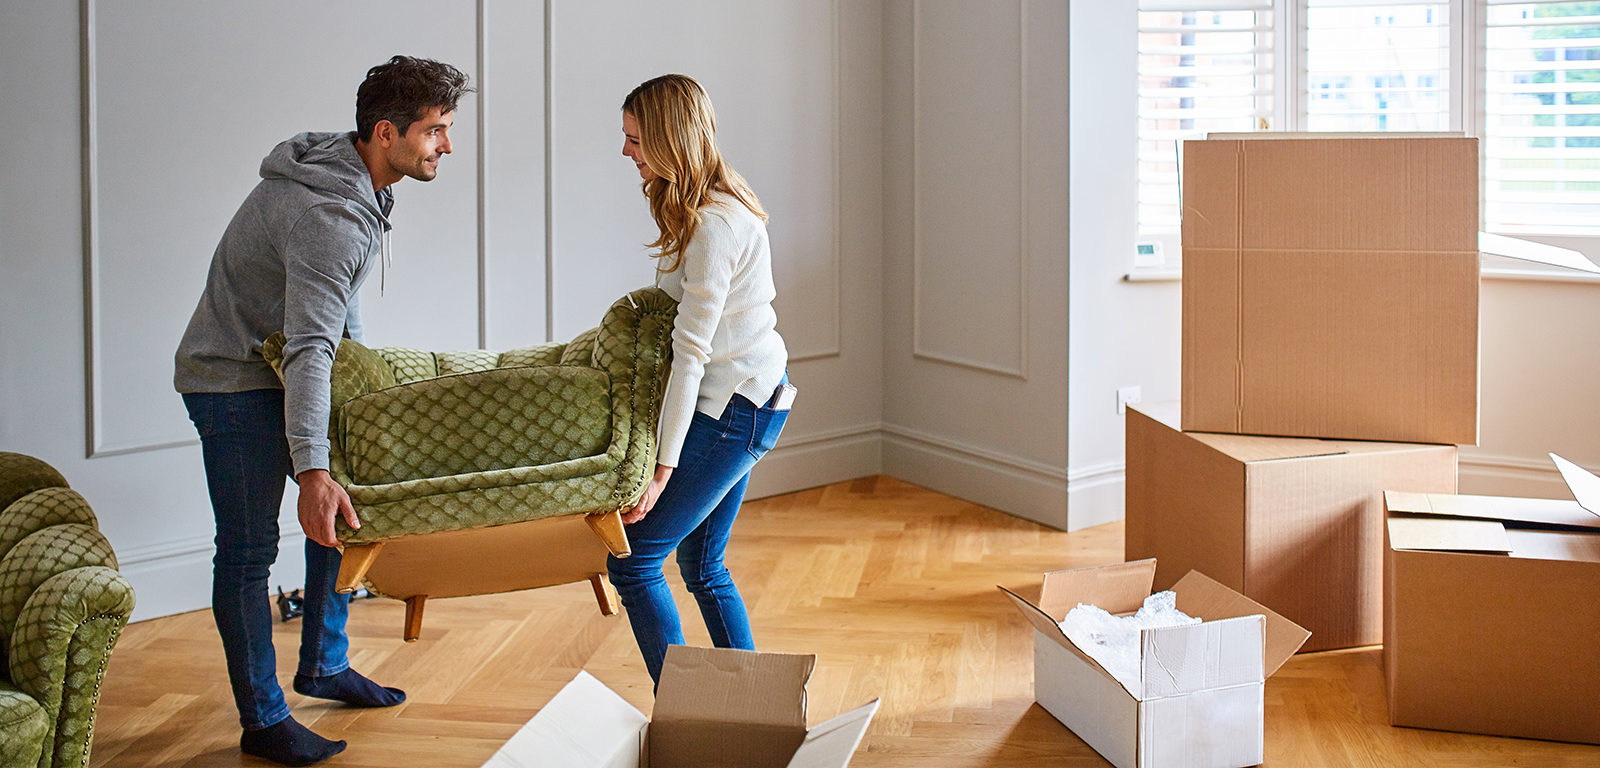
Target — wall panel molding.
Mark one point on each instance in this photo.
(835, 313)
(920, 350)
(98, 443)
(835, 266)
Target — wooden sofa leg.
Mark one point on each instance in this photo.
(414, 617)
(353, 568)
(608, 526)
(605, 594)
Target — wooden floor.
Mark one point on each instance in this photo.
(891, 585)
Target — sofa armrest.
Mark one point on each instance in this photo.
(357, 369)
(60, 649)
(634, 347)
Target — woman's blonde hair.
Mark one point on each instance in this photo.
(678, 131)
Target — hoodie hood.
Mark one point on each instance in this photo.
(327, 162)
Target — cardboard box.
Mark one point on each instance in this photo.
(1330, 288)
(1198, 702)
(714, 707)
(1330, 285)
(1491, 617)
(1294, 523)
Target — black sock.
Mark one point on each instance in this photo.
(289, 743)
(349, 687)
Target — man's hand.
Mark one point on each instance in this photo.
(651, 493)
(320, 499)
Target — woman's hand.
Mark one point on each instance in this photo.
(651, 493)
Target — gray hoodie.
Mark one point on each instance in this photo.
(291, 259)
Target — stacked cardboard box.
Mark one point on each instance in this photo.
(1489, 612)
(1330, 353)
(1294, 523)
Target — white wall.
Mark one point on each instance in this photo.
(912, 153)
(182, 100)
(975, 256)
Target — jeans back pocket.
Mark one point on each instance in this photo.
(768, 423)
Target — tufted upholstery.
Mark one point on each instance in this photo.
(472, 439)
(62, 606)
(432, 443)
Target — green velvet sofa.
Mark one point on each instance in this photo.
(62, 606)
(450, 458)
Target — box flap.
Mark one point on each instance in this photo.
(1515, 510)
(1584, 485)
(1201, 596)
(1115, 588)
(1194, 657)
(586, 725)
(1050, 629)
(1555, 545)
(1446, 534)
(1539, 253)
(733, 686)
(830, 744)
(1253, 448)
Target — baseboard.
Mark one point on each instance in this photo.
(175, 576)
(1027, 489)
(1095, 495)
(1490, 475)
(817, 459)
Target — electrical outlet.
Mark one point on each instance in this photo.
(1125, 397)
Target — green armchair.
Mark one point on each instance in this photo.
(478, 472)
(62, 606)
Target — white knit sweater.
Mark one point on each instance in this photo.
(725, 340)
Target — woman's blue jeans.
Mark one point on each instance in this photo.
(247, 459)
(694, 516)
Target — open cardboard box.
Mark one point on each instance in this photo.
(1198, 701)
(714, 707)
(1330, 285)
(1490, 612)
(1293, 523)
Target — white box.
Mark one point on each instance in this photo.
(1198, 699)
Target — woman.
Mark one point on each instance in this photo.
(729, 395)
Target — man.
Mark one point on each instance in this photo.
(293, 258)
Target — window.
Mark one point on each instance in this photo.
(1523, 75)
(1203, 67)
(1376, 67)
(1541, 129)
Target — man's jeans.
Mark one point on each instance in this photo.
(247, 458)
(694, 515)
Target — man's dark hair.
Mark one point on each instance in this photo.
(399, 89)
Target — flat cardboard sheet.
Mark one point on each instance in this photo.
(1584, 485)
(586, 725)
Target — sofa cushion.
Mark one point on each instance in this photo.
(23, 726)
(476, 422)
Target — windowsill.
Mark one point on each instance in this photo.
(1538, 275)
(1488, 273)
(1154, 276)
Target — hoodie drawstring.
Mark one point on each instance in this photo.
(383, 266)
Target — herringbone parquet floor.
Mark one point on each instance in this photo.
(891, 585)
